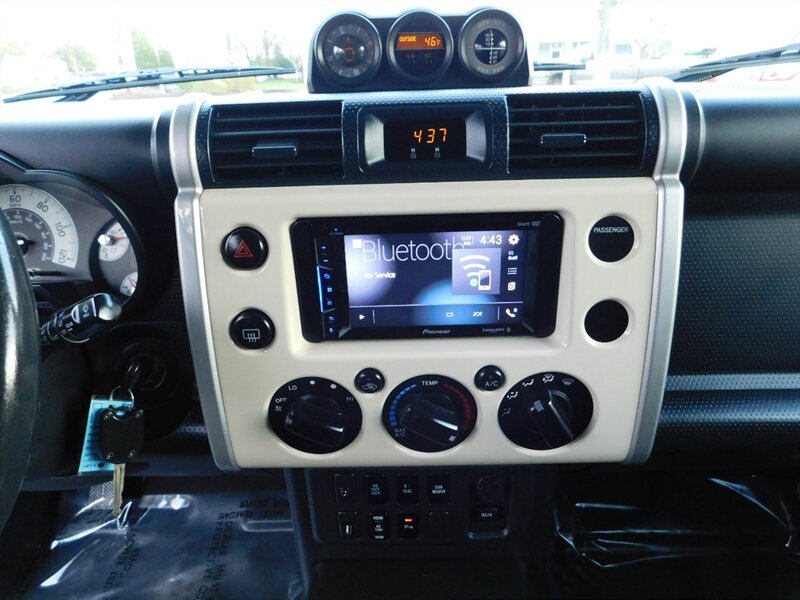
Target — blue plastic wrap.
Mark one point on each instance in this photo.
(199, 546)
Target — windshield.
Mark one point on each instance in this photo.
(52, 43)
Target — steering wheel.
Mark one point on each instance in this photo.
(19, 369)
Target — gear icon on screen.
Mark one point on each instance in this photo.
(513, 239)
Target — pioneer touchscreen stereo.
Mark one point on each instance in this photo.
(431, 276)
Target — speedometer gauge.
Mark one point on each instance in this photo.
(348, 49)
(420, 46)
(491, 44)
(42, 226)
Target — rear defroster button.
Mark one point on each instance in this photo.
(252, 330)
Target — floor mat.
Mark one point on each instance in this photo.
(201, 546)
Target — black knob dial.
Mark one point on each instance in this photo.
(491, 489)
(314, 415)
(545, 411)
(430, 413)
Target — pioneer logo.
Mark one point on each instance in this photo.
(436, 331)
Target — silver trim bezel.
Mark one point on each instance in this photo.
(672, 147)
(182, 133)
(671, 152)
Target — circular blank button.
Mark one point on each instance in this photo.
(606, 321)
(611, 239)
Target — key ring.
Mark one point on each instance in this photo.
(120, 388)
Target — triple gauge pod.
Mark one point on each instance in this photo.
(420, 47)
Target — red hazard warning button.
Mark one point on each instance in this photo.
(243, 251)
(244, 248)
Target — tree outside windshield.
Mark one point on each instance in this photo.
(48, 43)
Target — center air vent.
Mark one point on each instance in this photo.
(586, 134)
(275, 144)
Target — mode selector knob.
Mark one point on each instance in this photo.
(550, 415)
(314, 415)
(545, 411)
(429, 413)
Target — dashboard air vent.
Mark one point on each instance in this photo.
(275, 143)
(594, 133)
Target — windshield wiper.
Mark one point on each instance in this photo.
(77, 92)
(707, 70)
(557, 66)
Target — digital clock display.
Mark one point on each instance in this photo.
(420, 41)
(422, 140)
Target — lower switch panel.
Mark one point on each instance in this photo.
(399, 506)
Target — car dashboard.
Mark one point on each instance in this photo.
(423, 289)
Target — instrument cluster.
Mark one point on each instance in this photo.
(419, 49)
(73, 238)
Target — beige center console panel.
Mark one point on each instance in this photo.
(624, 377)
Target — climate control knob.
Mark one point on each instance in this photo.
(314, 415)
(545, 411)
(430, 413)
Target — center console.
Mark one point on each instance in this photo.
(425, 301)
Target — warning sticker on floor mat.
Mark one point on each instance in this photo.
(172, 546)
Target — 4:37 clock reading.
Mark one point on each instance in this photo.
(424, 140)
(431, 135)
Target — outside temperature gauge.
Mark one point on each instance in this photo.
(420, 46)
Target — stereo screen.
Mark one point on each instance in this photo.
(437, 279)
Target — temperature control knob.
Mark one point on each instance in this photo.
(545, 411)
(314, 415)
(430, 413)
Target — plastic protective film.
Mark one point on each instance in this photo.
(641, 535)
(204, 546)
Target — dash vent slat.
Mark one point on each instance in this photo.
(613, 124)
(314, 128)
